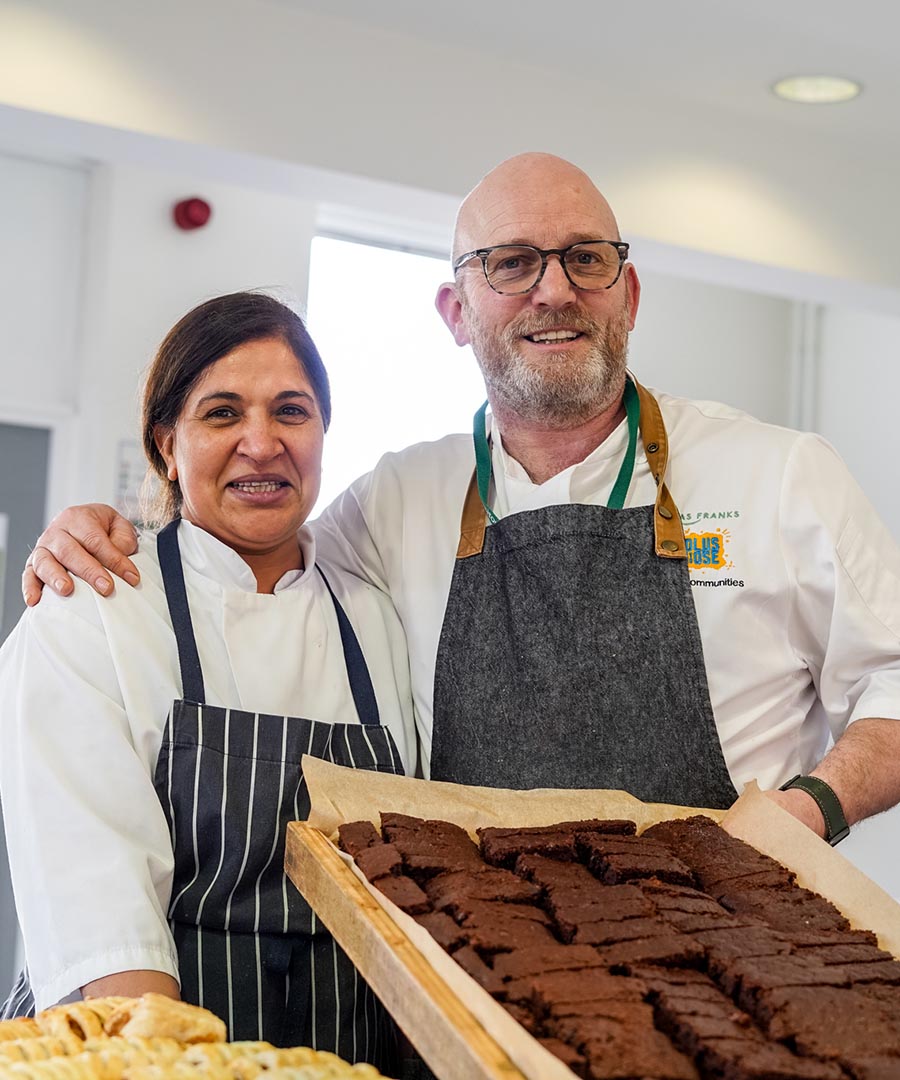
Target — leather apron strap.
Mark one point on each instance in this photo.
(667, 529)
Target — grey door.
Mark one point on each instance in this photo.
(24, 455)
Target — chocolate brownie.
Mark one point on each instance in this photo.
(356, 836)
(749, 1059)
(541, 959)
(691, 923)
(556, 987)
(789, 910)
(379, 860)
(610, 931)
(553, 874)
(873, 1068)
(567, 1055)
(837, 952)
(451, 892)
(505, 850)
(886, 972)
(402, 825)
(669, 950)
(570, 911)
(636, 1051)
(615, 867)
(830, 1022)
(469, 960)
(480, 911)
(523, 1016)
(743, 941)
(747, 977)
(609, 826)
(443, 929)
(507, 935)
(405, 893)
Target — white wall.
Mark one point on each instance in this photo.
(142, 274)
(42, 225)
(859, 390)
(715, 342)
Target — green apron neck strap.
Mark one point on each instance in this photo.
(483, 467)
(483, 461)
(626, 470)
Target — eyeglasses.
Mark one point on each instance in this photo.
(512, 269)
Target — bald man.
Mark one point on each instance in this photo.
(604, 586)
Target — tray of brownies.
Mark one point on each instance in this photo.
(512, 936)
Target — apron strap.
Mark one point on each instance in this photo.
(180, 614)
(667, 529)
(357, 670)
(189, 658)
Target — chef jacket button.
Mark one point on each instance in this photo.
(669, 545)
(665, 512)
(652, 447)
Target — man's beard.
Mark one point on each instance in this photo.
(561, 389)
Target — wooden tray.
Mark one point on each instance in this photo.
(446, 1034)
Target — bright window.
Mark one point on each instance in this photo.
(397, 376)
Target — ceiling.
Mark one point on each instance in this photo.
(710, 55)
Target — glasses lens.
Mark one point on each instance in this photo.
(512, 268)
(592, 266)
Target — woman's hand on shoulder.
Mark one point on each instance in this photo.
(87, 541)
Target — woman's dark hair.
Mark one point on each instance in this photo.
(195, 342)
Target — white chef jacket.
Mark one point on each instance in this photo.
(795, 580)
(86, 684)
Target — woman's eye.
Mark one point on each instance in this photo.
(224, 412)
(293, 411)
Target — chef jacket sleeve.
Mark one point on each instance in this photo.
(344, 535)
(846, 573)
(89, 848)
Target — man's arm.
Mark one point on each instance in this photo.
(86, 540)
(132, 984)
(863, 770)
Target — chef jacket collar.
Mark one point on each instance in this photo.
(209, 557)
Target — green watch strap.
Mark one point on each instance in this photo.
(835, 823)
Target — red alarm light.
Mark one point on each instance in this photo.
(191, 213)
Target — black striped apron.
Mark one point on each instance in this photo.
(249, 947)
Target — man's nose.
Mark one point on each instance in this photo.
(554, 289)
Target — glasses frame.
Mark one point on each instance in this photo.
(483, 253)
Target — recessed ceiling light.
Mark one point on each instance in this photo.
(817, 89)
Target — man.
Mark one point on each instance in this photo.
(563, 630)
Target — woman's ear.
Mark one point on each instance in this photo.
(165, 444)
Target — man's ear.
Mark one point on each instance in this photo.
(165, 444)
(632, 292)
(450, 309)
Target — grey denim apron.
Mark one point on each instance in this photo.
(570, 654)
(249, 946)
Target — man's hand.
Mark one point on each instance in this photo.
(86, 540)
(804, 807)
(861, 769)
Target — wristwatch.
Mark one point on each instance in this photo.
(836, 827)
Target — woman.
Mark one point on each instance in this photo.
(151, 742)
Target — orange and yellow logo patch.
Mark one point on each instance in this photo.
(708, 550)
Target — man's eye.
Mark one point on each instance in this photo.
(512, 263)
(585, 258)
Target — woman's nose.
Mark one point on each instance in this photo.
(261, 440)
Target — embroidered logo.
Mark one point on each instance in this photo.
(708, 549)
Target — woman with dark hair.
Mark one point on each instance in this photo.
(152, 742)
